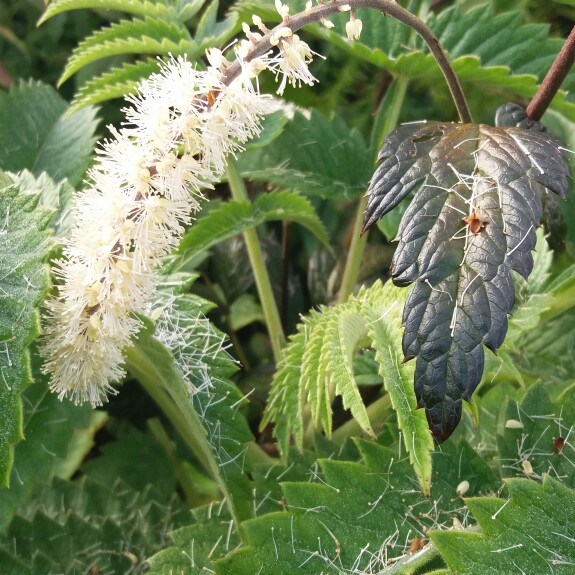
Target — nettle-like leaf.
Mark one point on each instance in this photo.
(487, 51)
(136, 7)
(360, 517)
(537, 437)
(115, 83)
(318, 364)
(154, 28)
(471, 221)
(141, 36)
(530, 532)
(25, 245)
(88, 527)
(37, 133)
(49, 427)
(234, 217)
(338, 167)
(212, 534)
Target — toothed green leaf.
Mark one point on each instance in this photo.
(25, 245)
(531, 449)
(137, 7)
(337, 165)
(113, 84)
(531, 532)
(357, 516)
(138, 36)
(49, 425)
(384, 321)
(72, 526)
(234, 217)
(37, 133)
(188, 354)
(319, 363)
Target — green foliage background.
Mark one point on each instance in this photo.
(213, 458)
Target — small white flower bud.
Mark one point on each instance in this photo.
(462, 488)
(513, 424)
(353, 29)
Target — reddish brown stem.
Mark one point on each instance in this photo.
(553, 80)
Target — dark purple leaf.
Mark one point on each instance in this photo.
(472, 220)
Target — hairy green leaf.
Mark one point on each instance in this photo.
(211, 535)
(198, 365)
(234, 217)
(336, 166)
(471, 221)
(138, 36)
(530, 532)
(24, 247)
(384, 331)
(49, 426)
(56, 196)
(537, 439)
(319, 364)
(72, 527)
(37, 134)
(357, 517)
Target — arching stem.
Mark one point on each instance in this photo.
(553, 80)
(388, 8)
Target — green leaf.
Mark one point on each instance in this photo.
(195, 374)
(528, 447)
(338, 166)
(211, 536)
(49, 426)
(54, 196)
(136, 459)
(72, 526)
(318, 363)
(398, 378)
(244, 311)
(150, 35)
(487, 51)
(234, 217)
(37, 134)
(115, 83)
(137, 7)
(356, 516)
(472, 220)
(531, 532)
(25, 245)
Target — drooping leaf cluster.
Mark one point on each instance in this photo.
(318, 365)
(472, 220)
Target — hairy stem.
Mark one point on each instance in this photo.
(553, 80)
(386, 7)
(263, 283)
(173, 399)
(385, 122)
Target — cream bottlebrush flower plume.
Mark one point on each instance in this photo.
(140, 195)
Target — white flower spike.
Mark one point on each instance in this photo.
(141, 193)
